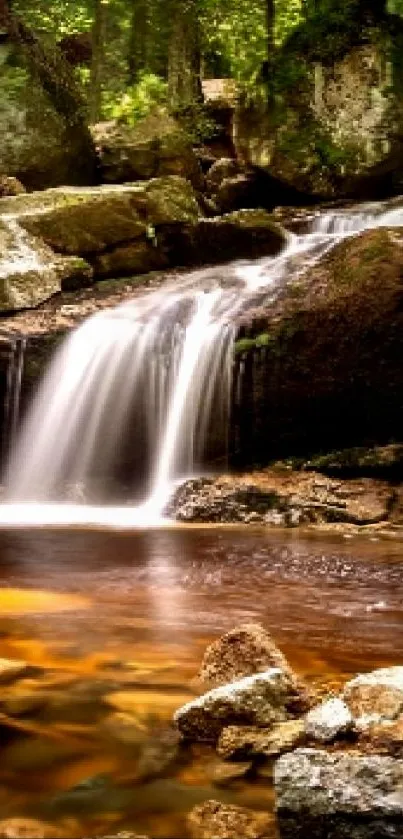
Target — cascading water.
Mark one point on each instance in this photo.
(148, 384)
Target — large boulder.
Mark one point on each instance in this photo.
(38, 143)
(261, 700)
(243, 651)
(154, 147)
(244, 233)
(119, 231)
(340, 796)
(321, 368)
(338, 119)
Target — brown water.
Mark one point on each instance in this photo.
(118, 623)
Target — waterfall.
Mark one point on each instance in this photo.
(140, 394)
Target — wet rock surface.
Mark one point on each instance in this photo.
(328, 721)
(249, 742)
(338, 795)
(243, 651)
(375, 697)
(283, 498)
(214, 819)
(263, 700)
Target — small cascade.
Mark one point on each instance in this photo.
(13, 353)
(139, 396)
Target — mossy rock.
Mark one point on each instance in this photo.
(330, 376)
(154, 147)
(89, 221)
(38, 144)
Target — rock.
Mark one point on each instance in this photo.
(336, 129)
(158, 755)
(87, 221)
(342, 796)
(154, 147)
(385, 738)
(124, 728)
(337, 338)
(375, 697)
(10, 186)
(282, 497)
(262, 700)
(246, 233)
(30, 272)
(328, 721)
(11, 669)
(242, 651)
(224, 821)
(139, 257)
(221, 170)
(29, 829)
(39, 145)
(248, 742)
(224, 774)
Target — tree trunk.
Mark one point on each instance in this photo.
(271, 20)
(97, 63)
(138, 41)
(184, 60)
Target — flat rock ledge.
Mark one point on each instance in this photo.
(260, 700)
(339, 796)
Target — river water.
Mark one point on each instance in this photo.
(117, 622)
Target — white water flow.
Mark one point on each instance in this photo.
(138, 397)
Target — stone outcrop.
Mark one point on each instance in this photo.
(227, 821)
(321, 369)
(39, 145)
(260, 700)
(114, 231)
(338, 795)
(156, 146)
(338, 116)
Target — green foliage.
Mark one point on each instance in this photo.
(136, 101)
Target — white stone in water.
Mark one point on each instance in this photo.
(260, 700)
(329, 720)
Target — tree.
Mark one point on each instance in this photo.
(184, 60)
(98, 49)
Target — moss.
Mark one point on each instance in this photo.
(245, 345)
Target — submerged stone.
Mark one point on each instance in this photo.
(226, 821)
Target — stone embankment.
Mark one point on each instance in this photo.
(336, 762)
